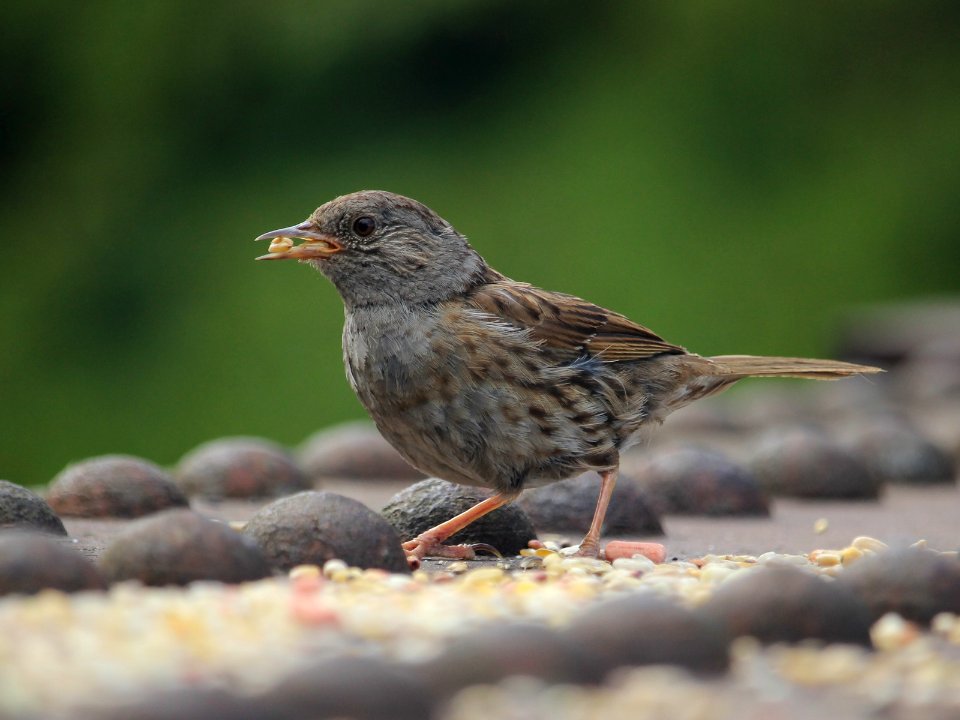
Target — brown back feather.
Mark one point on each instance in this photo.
(569, 324)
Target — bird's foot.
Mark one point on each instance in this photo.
(427, 545)
(589, 547)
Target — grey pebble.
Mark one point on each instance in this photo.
(177, 547)
(21, 508)
(312, 527)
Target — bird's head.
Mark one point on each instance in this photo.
(381, 248)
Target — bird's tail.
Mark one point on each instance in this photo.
(735, 367)
(704, 376)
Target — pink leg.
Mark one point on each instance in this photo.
(431, 541)
(590, 546)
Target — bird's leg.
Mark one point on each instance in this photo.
(430, 542)
(590, 546)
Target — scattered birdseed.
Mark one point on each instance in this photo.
(247, 639)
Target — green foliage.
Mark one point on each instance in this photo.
(731, 174)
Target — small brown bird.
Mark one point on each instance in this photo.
(482, 380)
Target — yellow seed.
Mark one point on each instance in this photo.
(481, 576)
(820, 526)
(865, 542)
(458, 567)
(828, 558)
(280, 244)
(850, 554)
(304, 571)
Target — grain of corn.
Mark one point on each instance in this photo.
(280, 244)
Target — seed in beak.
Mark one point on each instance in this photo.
(280, 244)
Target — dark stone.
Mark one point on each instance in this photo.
(568, 506)
(31, 562)
(643, 629)
(895, 452)
(350, 687)
(782, 603)
(695, 481)
(354, 450)
(113, 486)
(807, 464)
(240, 467)
(22, 509)
(313, 527)
(177, 547)
(335, 687)
(490, 654)
(431, 502)
(916, 584)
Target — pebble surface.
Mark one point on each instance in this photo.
(247, 639)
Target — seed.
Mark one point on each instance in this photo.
(482, 576)
(334, 566)
(820, 526)
(826, 558)
(304, 571)
(865, 542)
(280, 244)
(892, 631)
(850, 554)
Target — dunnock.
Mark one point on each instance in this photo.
(486, 381)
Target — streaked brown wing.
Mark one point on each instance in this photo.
(570, 325)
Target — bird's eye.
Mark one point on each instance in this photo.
(364, 225)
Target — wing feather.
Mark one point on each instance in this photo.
(569, 325)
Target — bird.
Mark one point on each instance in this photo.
(482, 380)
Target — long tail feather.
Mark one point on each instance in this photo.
(741, 366)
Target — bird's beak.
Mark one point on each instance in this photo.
(315, 243)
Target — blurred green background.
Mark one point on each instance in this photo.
(733, 174)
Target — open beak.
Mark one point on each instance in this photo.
(315, 244)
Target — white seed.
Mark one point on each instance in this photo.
(334, 566)
(821, 525)
(865, 542)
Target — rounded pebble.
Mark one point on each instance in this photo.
(898, 453)
(113, 486)
(807, 464)
(23, 509)
(350, 687)
(782, 603)
(568, 506)
(696, 481)
(354, 450)
(240, 467)
(313, 527)
(642, 629)
(431, 502)
(31, 562)
(177, 547)
(493, 653)
(914, 583)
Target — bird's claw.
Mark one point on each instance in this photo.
(426, 546)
